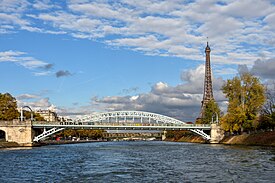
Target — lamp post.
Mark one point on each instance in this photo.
(22, 116)
(217, 118)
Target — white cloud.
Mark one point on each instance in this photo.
(27, 96)
(11, 19)
(23, 59)
(270, 19)
(239, 31)
(13, 5)
(248, 8)
(44, 5)
(40, 103)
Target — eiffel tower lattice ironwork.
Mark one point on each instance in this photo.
(208, 92)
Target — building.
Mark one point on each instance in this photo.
(48, 115)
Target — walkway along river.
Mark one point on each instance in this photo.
(142, 161)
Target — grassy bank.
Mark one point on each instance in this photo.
(260, 138)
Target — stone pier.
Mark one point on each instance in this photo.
(20, 132)
(163, 136)
(216, 134)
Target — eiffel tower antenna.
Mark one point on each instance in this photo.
(208, 91)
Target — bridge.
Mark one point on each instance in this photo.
(117, 120)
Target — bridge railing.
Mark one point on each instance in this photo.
(15, 123)
(57, 123)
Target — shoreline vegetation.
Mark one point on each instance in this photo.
(253, 139)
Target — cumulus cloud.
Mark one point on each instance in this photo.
(35, 103)
(27, 96)
(182, 101)
(264, 68)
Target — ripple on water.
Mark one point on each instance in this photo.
(137, 162)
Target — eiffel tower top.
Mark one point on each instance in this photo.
(208, 91)
(207, 48)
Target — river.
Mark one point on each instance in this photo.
(153, 161)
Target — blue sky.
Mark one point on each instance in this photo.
(80, 56)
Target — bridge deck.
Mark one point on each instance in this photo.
(125, 127)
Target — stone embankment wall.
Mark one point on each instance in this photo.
(260, 138)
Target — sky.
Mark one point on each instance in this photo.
(78, 57)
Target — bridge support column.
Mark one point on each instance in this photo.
(19, 132)
(216, 133)
(163, 136)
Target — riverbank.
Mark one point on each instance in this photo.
(184, 136)
(8, 144)
(4, 144)
(55, 142)
(254, 139)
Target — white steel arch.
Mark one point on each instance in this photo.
(123, 120)
(152, 117)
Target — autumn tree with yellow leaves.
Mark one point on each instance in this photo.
(246, 96)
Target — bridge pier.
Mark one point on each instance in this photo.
(216, 134)
(163, 136)
(19, 132)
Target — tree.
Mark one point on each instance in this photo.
(83, 133)
(267, 118)
(8, 107)
(246, 96)
(36, 116)
(211, 112)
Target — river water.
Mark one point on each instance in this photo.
(153, 161)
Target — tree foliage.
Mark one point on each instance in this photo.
(211, 112)
(36, 116)
(8, 107)
(93, 134)
(267, 118)
(246, 96)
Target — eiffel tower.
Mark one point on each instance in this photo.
(208, 92)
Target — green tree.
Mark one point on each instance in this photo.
(210, 112)
(246, 96)
(8, 107)
(36, 116)
(83, 133)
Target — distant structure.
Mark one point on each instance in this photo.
(48, 115)
(208, 92)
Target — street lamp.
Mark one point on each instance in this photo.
(22, 116)
(217, 118)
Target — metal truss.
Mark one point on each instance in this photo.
(122, 120)
(126, 115)
(201, 133)
(47, 133)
